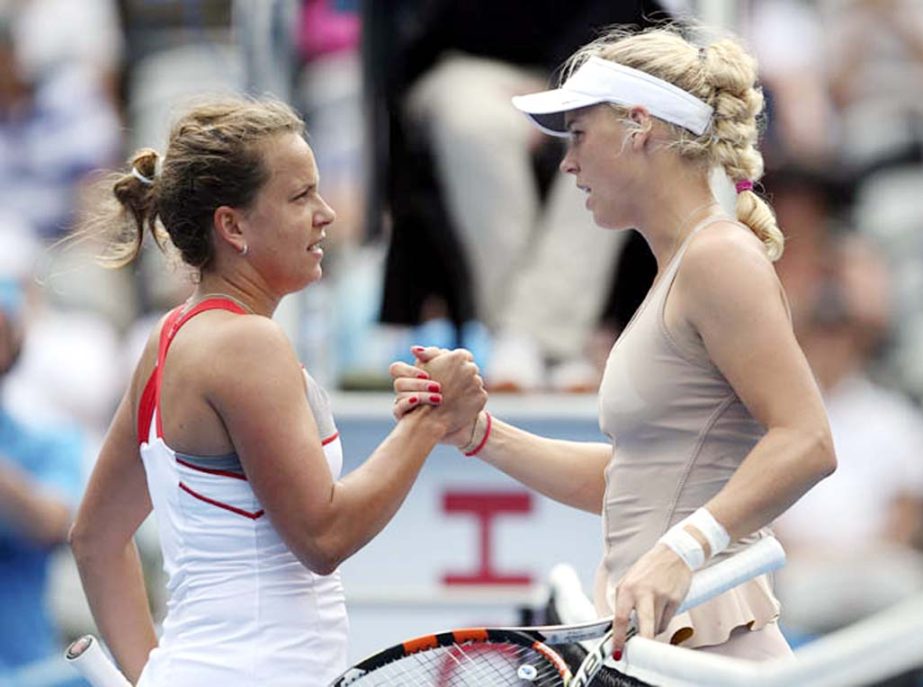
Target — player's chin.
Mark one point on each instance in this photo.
(314, 274)
(303, 280)
(610, 223)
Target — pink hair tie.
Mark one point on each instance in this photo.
(745, 185)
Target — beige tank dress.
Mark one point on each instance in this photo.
(678, 432)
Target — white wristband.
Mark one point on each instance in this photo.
(684, 545)
(713, 531)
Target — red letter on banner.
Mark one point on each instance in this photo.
(485, 506)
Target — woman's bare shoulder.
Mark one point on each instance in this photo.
(246, 352)
(727, 263)
(726, 250)
(725, 238)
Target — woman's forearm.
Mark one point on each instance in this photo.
(366, 499)
(570, 472)
(114, 586)
(781, 468)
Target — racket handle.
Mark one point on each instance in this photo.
(757, 559)
(88, 658)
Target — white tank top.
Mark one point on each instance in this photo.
(242, 610)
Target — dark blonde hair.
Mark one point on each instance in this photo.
(213, 158)
(721, 74)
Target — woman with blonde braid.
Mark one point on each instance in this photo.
(715, 421)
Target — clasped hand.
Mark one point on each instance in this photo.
(449, 381)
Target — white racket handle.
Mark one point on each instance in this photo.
(88, 658)
(757, 559)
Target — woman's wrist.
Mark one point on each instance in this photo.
(480, 432)
(424, 418)
(691, 548)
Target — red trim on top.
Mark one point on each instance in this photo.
(146, 409)
(219, 504)
(212, 471)
(176, 319)
(169, 326)
(332, 437)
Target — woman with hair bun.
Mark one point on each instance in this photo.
(715, 421)
(223, 433)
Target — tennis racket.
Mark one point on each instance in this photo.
(522, 656)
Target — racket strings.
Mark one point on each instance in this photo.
(469, 664)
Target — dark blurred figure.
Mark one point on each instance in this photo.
(485, 232)
(809, 202)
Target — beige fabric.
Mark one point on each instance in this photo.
(679, 432)
(759, 645)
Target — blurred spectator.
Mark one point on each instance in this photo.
(851, 539)
(514, 250)
(40, 482)
(874, 52)
(55, 126)
(787, 39)
(57, 123)
(52, 34)
(875, 62)
(809, 204)
(876, 59)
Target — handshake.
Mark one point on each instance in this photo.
(449, 384)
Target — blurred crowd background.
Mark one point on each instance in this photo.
(454, 228)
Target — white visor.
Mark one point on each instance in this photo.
(603, 81)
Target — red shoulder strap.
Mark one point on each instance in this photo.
(150, 397)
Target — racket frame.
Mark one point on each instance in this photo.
(524, 637)
(757, 559)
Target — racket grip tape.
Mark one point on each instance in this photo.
(88, 658)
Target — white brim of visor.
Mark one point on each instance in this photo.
(602, 81)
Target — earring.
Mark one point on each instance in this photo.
(244, 250)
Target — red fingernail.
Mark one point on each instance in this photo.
(422, 375)
(416, 348)
(413, 399)
(433, 388)
(617, 655)
(435, 399)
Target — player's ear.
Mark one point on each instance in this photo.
(641, 125)
(229, 227)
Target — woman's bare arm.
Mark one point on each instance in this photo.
(258, 391)
(571, 472)
(115, 504)
(739, 311)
